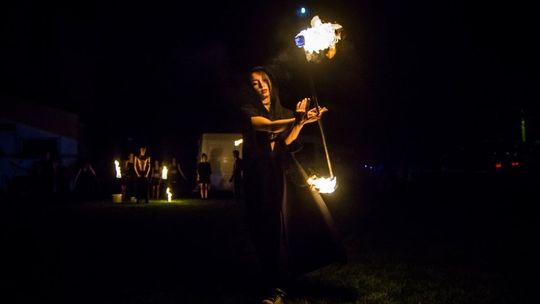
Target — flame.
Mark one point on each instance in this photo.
(117, 168)
(164, 172)
(319, 37)
(238, 142)
(322, 184)
(169, 194)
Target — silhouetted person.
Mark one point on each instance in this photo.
(177, 180)
(142, 170)
(237, 175)
(129, 178)
(85, 182)
(204, 170)
(155, 180)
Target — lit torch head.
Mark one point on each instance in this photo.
(164, 172)
(169, 194)
(322, 184)
(319, 37)
(238, 142)
(117, 168)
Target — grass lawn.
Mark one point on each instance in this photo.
(193, 251)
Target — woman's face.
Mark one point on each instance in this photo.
(262, 86)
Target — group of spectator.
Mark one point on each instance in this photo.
(144, 179)
(49, 178)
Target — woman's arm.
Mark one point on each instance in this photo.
(180, 171)
(92, 170)
(77, 177)
(293, 135)
(136, 166)
(312, 115)
(261, 123)
(149, 160)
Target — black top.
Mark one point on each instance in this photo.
(238, 168)
(257, 143)
(204, 170)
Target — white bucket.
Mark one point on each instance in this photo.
(117, 198)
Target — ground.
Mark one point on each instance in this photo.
(453, 240)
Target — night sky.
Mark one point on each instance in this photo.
(410, 79)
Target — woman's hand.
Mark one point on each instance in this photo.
(312, 115)
(300, 113)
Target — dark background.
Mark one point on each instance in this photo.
(412, 81)
(409, 81)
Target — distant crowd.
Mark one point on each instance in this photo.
(138, 178)
(143, 178)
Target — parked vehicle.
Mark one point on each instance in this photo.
(484, 157)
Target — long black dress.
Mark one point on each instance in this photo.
(289, 231)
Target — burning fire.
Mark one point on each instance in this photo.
(238, 142)
(322, 184)
(169, 194)
(117, 168)
(319, 37)
(164, 172)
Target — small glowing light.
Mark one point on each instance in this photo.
(238, 142)
(322, 184)
(302, 11)
(498, 165)
(515, 164)
(169, 194)
(117, 168)
(164, 171)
